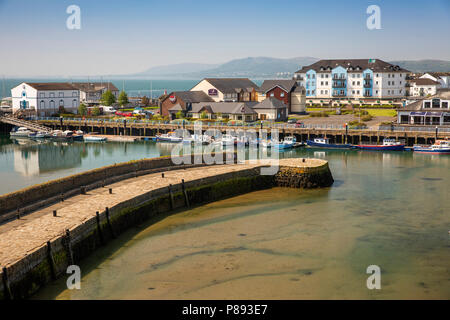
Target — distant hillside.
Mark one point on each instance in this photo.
(264, 68)
(424, 65)
(258, 67)
(176, 69)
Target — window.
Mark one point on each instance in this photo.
(376, 82)
(271, 94)
(321, 83)
(321, 91)
(445, 104)
(353, 91)
(353, 83)
(52, 94)
(282, 94)
(357, 91)
(74, 103)
(74, 94)
(358, 83)
(61, 94)
(326, 83)
(326, 76)
(436, 103)
(312, 92)
(427, 104)
(42, 104)
(42, 95)
(61, 103)
(393, 83)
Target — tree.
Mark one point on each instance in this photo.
(82, 109)
(203, 115)
(108, 98)
(179, 114)
(123, 98)
(96, 111)
(145, 101)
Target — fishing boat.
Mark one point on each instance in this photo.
(20, 132)
(94, 139)
(168, 137)
(439, 147)
(388, 145)
(325, 143)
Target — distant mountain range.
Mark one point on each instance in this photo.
(263, 68)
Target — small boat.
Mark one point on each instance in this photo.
(325, 143)
(228, 140)
(266, 143)
(42, 135)
(94, 139)
(439, 147)
(388, 145)
(21, 132)
(287, 143)
(168, 137)
(67, 135)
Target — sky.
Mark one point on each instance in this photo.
(124, 37)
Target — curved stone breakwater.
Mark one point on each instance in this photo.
(38, 248)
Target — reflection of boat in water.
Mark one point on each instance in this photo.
(325, 143)
(39, 135)
(388, 145)
(20, 132)
(439, 147)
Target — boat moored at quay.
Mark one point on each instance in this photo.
(388, 145)
(325, 143)
(439, 147)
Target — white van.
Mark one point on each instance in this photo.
(108, 109)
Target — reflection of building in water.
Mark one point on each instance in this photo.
(33, 159)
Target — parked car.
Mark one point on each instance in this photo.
(108, 109)
(298, 124)
(292, 121)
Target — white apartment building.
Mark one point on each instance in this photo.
(442, 77)
(45, 98)
(422, 87)
(352, 79)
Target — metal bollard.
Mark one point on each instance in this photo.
(54, 213)
(110, 190)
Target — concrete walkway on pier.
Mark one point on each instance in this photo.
(20, 237)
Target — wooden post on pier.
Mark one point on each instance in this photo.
(186, 198)
(69, 247)
(172, 204)
(109, 223)
(99, 228)
(7, 288)
(51, 260)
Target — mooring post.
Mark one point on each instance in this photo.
(83, 190)
(162, 175)
(51, 261)
(186, 199)
(69, 247)
(99, 228)
(54, 213)
(7, 288)
(172, 205)
(18, 214)
(109, 223)
(62, 197)
(110, 190)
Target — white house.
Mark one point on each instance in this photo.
(228, 89)
(442, 77)
(352, 79)
(422, 87)
(91, 92)
(45, 98)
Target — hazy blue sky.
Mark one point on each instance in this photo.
(119, 37)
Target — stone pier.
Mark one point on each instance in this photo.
(38, 247)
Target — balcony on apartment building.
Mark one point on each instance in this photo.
(339, 84)
(367, 83)
(367, 77)
(338, 77)
(338, 93)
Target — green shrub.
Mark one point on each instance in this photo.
(367, 117)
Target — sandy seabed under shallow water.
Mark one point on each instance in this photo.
(390, 210)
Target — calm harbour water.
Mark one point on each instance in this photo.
(385, 209)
